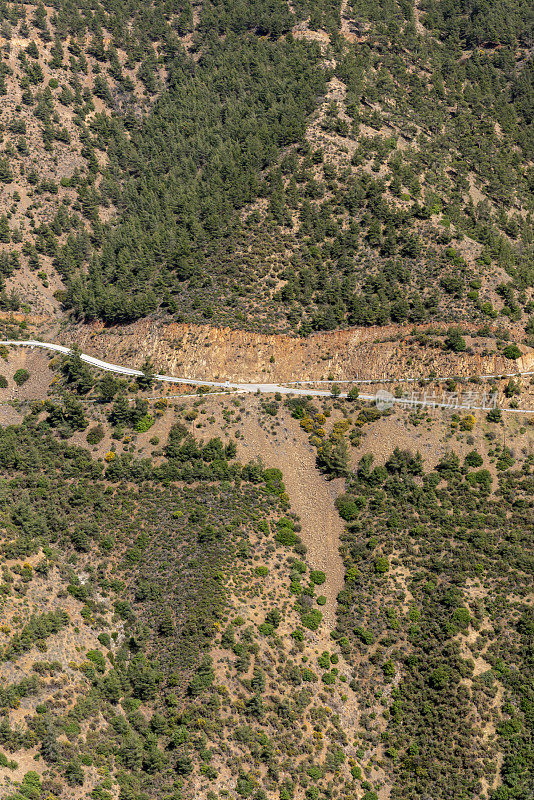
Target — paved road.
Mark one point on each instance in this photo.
(263, 388)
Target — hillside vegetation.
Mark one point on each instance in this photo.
(258, 166)
(235, 596)
(166, 635)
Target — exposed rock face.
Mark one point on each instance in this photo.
(197, 351)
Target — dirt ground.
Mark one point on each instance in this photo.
(280, 442)
(312, 497)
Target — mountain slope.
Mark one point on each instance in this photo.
(236, 163)
(170, 626)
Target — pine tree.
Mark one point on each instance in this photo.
(5, 233)
(6, 175)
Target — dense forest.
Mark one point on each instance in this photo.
(229, 595)
(270, 166)
(454, 530)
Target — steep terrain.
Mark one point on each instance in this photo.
(218, 595)
(277, 175)
(177, 620)
(365, 353)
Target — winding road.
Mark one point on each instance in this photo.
(269, 388)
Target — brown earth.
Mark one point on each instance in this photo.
(312, 498)
(197, 351)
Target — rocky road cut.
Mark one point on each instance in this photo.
(264, 388)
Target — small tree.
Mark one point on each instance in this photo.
(76, 371)
(511, 351)
(74, 414)
(146, 380)
(512, 388)
(107, 388)
(21, 376)
(74, 774)
(6, 176)
(166, 625)
(333, 458)
(5, 233)
(381, 564)
(454, 340)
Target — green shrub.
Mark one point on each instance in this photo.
(474, 459)
(96, 657)
(287, 537)
(348, 507)
(439, 678)
(324, 660)
(144, 424)
(6, 762)
(21, 376)
(3, 382)
(462, 617)
(388, 669)
(95, 435)
(266, 628)
(366, 636)
(312, 619)
(317, 577)
(511, 351)
(505, 460)
(381, 564)
(352, 574)
(454, 340)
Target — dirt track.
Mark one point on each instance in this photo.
(312, 498)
